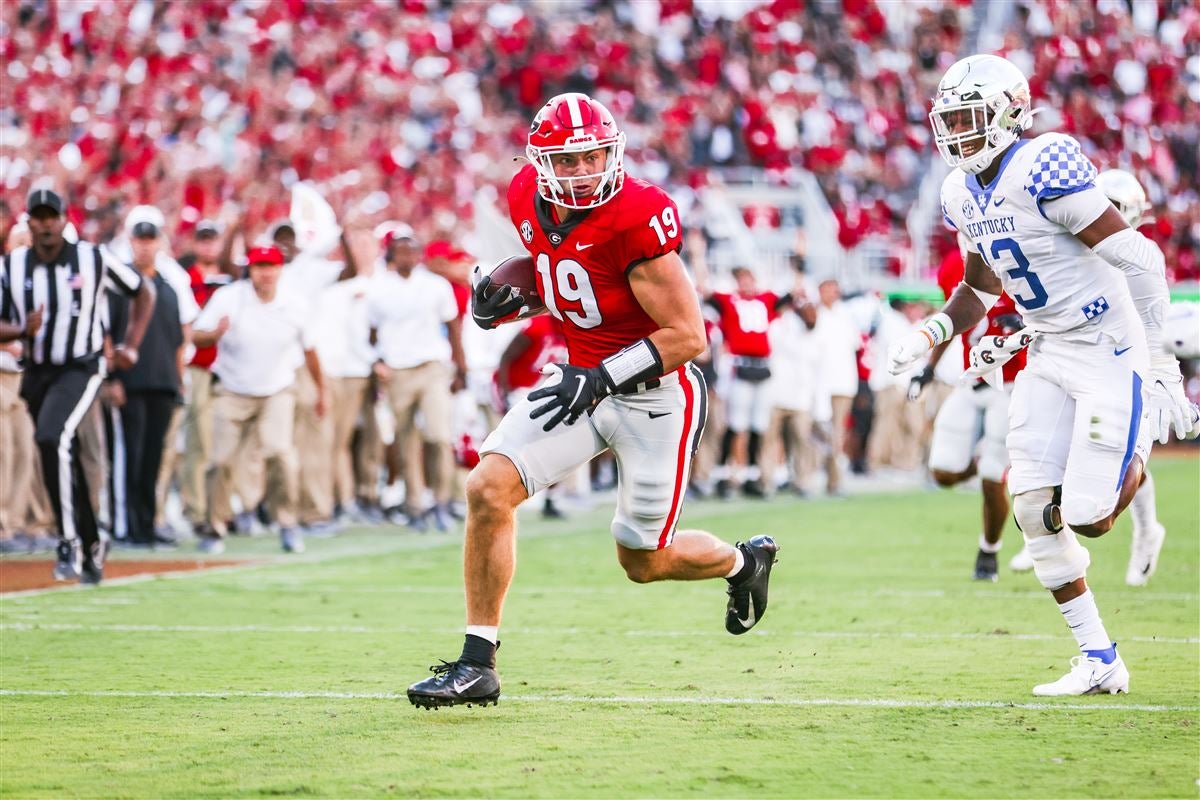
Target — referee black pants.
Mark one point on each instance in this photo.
(58, 397)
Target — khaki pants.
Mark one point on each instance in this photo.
(197, 454)
(424, 389)
(18, 464)
(710, 440)
(314, 441)
(789, 442)
(368, 453)
(837, 441)
(348, 398)
(896, 434)
(244, 427)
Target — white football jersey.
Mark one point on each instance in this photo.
(1058, 283)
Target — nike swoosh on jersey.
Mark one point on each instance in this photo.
(579, 246)
(999, 201)
(1122, 351)
(462, 687)
(654, 415)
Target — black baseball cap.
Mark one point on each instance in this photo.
(207, 229)
(145, 230)
(47, 198)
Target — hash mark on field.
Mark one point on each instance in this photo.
(24, 627)
(837, 702)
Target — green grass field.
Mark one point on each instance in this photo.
(880, 670)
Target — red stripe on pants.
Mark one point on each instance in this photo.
(689, 402)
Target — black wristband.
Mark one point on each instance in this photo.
(638, 363)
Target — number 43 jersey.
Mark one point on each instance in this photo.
(1058, 283)
(583, 265)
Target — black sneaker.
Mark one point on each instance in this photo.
(69, 564)
(723, 489)
(93, 563)
(748, 597)
(986, 568)
(753, 489)
(457, 683)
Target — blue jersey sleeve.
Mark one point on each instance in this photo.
(1059, 169)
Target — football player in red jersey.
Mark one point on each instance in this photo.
(606, 249)
(745, 321)
(972, 424)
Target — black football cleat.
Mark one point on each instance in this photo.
(986, 568)
(457, 683)
(93, 563)
(748, 597)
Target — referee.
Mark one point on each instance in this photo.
(52, 296)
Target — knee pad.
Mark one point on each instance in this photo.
(1058, 557)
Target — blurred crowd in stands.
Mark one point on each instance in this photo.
(404, 110)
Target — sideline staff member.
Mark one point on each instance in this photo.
(51, 295)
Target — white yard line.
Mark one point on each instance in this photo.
(1101, 704)
(34, 627)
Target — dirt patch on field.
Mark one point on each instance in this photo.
(22, 575)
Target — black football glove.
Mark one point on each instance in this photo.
(488, 311)
(918, 383)
(579, 390)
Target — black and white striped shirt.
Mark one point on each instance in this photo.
(71, 290)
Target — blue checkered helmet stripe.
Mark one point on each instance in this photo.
(1061, 168)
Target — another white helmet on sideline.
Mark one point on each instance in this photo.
(1124, 191)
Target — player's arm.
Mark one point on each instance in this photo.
(1144, 268)
(663, 291)
(978, 292)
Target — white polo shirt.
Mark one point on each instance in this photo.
(410, 316)
(258, 355)
(343, 330)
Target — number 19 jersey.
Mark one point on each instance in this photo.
(583, 265)
(1058, 283)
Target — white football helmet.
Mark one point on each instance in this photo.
(982, 103)
(1181, 330)
(1124, 191)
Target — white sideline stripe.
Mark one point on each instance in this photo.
(836, 702)
(26, 627)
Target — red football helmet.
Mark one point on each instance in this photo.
(575, 123)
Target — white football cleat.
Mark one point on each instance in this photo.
(1088, 675)
(1022, 561)
(1143, 555)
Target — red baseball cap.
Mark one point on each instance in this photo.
(444, 249)
(264, 255)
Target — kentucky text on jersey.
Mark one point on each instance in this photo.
(990, 226)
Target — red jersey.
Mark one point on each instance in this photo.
(583, 265)
(546, 346)
(745, 321)
(950, 275)
(203, 288)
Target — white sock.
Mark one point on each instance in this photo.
(1083, 618)
(1143, 508)
(489, 632)
(988, 547)
(739, 561)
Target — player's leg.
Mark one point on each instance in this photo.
(653, 460)
(760, 422)
(1039, 442)
(738, 412)
(1148, 534)
(992, 464)
(518, 459)
(956, 431)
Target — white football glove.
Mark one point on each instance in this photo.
(905, 352)
(993, 352)
(1167, 404)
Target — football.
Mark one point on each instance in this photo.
(519, 273)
